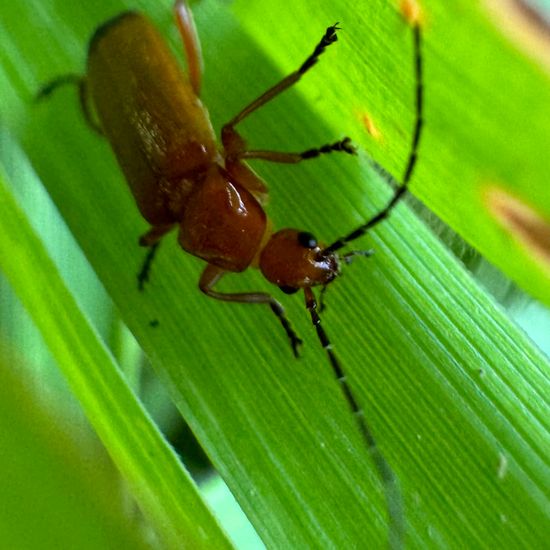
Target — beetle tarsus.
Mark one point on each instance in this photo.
(329, 38)
(295, 340)
(343, 146)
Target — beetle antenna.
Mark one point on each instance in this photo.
(394, 500)
(400, 191)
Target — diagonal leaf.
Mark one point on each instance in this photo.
(162, 488)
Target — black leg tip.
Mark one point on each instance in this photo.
(296, 343)
(141, 282)
(348, 146)
(330, 33)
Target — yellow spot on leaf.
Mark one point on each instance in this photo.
(410, 10)
(369, 126)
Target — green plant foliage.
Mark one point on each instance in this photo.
(455, 394)
(162, 488)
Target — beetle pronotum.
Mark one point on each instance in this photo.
(164, 142)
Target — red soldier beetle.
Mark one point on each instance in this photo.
(164, 142)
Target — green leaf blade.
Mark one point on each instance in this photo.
(162, 487)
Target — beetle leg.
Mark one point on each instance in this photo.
(151, 239)
(210, 277)
(343, 146)
(328, 38)
(191, 43)
(85, 103)
(143, 275)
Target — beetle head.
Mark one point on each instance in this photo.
(294, 259)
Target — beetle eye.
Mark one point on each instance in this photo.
(307, 240)
(289, 289)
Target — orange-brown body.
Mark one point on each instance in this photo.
(161, 134)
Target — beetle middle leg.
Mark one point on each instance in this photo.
(152, 240)
(210, 277)
(84, 96)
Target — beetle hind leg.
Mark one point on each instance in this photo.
(84, 97)
(233, 143)
(191, 43)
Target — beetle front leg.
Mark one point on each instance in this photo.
(328, 38)
(210, 277)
